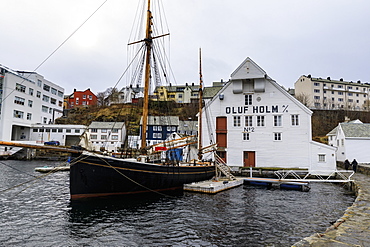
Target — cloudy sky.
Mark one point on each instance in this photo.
(287, 38)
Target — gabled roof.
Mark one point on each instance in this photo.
(333, 132)
(188, 126)
(162, 120)
(258, 72)
(355, 129)
(210, 92)
(106, 125)
(248, 69)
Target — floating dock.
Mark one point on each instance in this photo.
(268, 182)
(212, 186)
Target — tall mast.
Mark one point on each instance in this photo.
(148, 42)
(200, 156)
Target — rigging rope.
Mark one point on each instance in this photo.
(48, 57)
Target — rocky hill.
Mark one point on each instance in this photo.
(128, 113)
(323, 121)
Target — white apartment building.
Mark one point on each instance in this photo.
(108, 136)
(26, 98)
(319, 93)
(257, 123)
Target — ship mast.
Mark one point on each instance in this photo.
(148, 40)
(148, 43)
(200, 156)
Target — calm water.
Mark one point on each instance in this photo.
(39, 213)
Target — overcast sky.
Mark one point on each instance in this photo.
(287, 38)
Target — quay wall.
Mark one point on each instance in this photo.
(353, 228)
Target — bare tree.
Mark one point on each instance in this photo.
(304, 99)
(366, 105)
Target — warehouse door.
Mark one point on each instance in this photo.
(249, 159)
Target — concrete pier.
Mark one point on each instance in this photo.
(353, 229)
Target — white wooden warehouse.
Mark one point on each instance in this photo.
(352, 140)
(257, 123)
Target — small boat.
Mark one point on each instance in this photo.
(46, 169)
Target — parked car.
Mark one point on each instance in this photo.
(52, 143)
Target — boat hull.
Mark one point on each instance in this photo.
(96, 176)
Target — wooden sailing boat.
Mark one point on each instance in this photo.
(93, 175)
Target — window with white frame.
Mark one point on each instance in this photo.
(277, 120)
(18, 114)
(103, 137)
(322, 157)
(20, 87)
(277, 136)
(19, 100)
(236, 121)
(295, 120)
(94, 137)
(44, 108)
(114, 137)
(248, 121)
(29, 116)
(260, 121)
(45, 98)
(46, 87)
(246, 136)
(248, 99)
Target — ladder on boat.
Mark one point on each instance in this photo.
(223, 168)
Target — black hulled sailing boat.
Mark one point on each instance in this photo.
(93, 175)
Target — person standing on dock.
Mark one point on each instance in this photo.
(354, 165)
(346, 164)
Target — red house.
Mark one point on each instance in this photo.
(80, 98)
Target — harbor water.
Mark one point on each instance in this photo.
(37, 211)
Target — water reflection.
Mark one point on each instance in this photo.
(245, 216)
